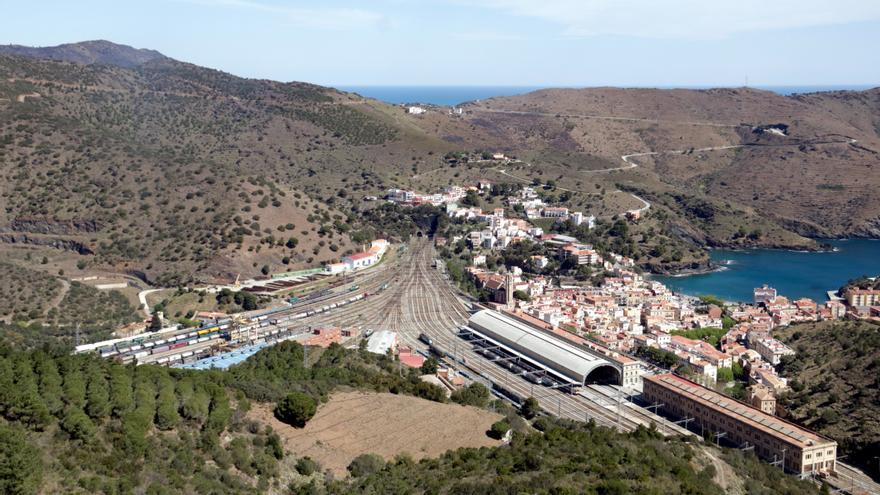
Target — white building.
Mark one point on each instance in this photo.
(360, 260)
(382, 341)
(415, 110)
(334, 268)
(554, 212)
(772, 350)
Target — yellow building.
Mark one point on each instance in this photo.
(797, 449)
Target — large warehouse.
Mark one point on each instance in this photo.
(575, 365)
(802, 451)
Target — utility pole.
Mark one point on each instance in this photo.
(720, 434)
(686, 420)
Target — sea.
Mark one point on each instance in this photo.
(794, 274)
(453, 95)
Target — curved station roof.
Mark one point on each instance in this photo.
(552, 353)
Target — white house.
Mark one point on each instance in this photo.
(415, 110)
(360, 260)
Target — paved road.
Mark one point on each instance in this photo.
(142, 297)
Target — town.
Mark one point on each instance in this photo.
(594, 341)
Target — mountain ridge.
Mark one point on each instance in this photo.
(87, 53)
(189, 153)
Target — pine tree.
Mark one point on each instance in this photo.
(97, 393)
(167, 416)
(121, 400)
(21, 466)
(50, 385)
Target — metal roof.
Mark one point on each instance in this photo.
(381, 341)
(742, 413)
(225, 360)
(560, 356)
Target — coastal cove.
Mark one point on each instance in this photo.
(794, 274)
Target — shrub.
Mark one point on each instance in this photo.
(365, 465)
(306, 466)
(296, 409)
(530, 408)
(499, 429)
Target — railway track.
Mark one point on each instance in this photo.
(430, 305)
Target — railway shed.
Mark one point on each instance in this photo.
(565, 360)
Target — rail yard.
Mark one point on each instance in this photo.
(409, 297)
(413, 298)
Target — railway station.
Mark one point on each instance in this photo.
(533, 350)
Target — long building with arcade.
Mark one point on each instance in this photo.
(797, 449)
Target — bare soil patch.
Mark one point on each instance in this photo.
(354, 423)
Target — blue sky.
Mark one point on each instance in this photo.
(484, 42)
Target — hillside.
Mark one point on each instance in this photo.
(138, 163)
(835, 386)
(79, 424)
(170, 170)
(87, 52)
(807, 175)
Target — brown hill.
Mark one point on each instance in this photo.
(809, 175)
(87, 52)
(166, 169)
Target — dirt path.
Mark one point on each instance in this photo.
(56, 301)
(21, 98)
(603, 117)
(354, 423)
(725, 476)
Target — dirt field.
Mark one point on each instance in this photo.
(354, 423)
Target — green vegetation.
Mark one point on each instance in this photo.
(709, 334)
(117, 429)
(273, 373)
(237, 301)
(710, 299)
(499, 429)
(660, 357)
(306, 466)
(78, 424)
(365, 465)
(562, 457)
(93, 312)
(24, 293)
(429, 367)
(476, 394)
(296, 409)
(530, 408)
(835, 384)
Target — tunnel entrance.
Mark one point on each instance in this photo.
(420, 234)
(603, 375)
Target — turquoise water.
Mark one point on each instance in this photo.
(453, 95)
(793, 274)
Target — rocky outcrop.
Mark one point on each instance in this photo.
(54, 226)
(870, 229)
(50, 241)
